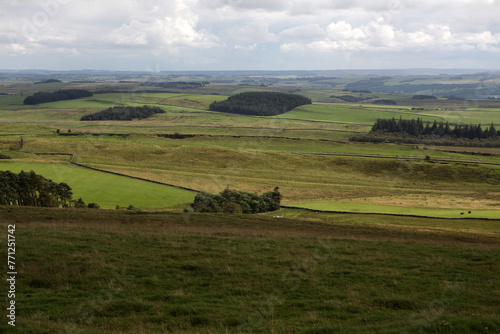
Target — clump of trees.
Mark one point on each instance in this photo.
(30, 189)
(424, 97)
(233, 201)
(385, 102)
(416, 127)
(60, 95)
(176, 84)
(123, 113)
(260, 103)
(436, 133)
(349, 98)
(47, 81)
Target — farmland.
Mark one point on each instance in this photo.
(382, 237)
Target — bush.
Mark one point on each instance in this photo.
(93, 206)
(80, 204)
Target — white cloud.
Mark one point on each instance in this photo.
(159, 31)
(129, 34)
(263, 5)
(255, 31)
(377, 36)
(246, 47)
(303, 32)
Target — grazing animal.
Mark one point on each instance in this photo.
(462, 213)
(278, 216)
(470, 212)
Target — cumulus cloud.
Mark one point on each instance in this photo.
(267, 29)
(304, 32)
(376, 36)
(264, 5)
(89, 24)
(255, 31)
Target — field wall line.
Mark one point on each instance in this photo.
(385, 214)
(115, 173)
(376, 156)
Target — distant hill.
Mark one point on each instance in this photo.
(260, 103)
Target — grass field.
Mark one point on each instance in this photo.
(103, 271)
(259, 164)
(403, 210)
(333, 113)
(104, 189)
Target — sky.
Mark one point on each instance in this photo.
(169, 35)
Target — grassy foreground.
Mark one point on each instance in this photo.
(109, 271)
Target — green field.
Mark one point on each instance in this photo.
(399, 210)
(105, 189)
(364, 116)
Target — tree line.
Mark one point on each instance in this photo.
(416, 127)
(176, 84)
(123, 113)
(30, 189)
(260, 103)
(233, 201)
(47, 81)
(60, 95)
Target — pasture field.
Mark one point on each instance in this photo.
(112, 271)
(308, 158)
(305, 170)
(105, 189)
(402, 210)
(332, 113)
